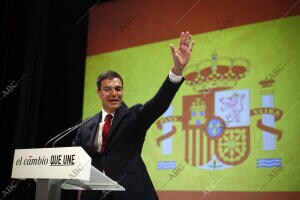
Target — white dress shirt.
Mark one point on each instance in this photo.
(98, 139)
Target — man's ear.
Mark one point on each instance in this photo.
(98, 92)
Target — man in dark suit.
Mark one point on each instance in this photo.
(117, 153)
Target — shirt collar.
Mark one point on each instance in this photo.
(104, 115)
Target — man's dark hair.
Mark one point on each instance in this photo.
(108, 74)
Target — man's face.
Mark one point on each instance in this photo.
(111, 93)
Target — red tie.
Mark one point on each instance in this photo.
(105, 131)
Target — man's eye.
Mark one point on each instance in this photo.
(107, 89)
(118, 88)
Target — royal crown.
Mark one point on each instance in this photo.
(216, 72)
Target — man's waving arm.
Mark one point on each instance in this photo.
(156, 106)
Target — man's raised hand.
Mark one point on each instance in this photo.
(182, 54)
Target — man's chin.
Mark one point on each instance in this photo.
(115, 106)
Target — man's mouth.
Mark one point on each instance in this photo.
(113, 101)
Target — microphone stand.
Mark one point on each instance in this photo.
(72, 128)
(65, 133)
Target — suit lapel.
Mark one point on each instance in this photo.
(120, 114)
(94, 127)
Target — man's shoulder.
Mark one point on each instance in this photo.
(125, 108)
(136, 108)
(90, 122)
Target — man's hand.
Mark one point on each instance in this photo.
(182, 54)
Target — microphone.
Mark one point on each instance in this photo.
(64, 133)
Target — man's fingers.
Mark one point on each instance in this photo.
(185, 38)
(182, 38)
(172, 49)
(192, 45)
(189, 37)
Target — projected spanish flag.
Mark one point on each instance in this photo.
(233, 125)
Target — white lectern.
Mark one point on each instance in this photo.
(55, 168)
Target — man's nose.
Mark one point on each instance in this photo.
(114, 92)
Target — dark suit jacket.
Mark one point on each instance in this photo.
(122, 160)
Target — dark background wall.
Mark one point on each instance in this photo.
(43, 49)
